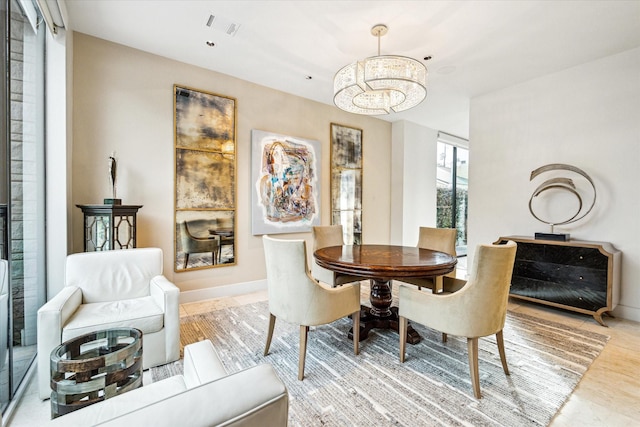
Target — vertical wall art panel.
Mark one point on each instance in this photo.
(205, 179)
(285, 174)
(346, 181)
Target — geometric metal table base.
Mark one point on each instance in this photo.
(94, 367)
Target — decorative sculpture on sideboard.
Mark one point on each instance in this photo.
(565, 184)
(113, 168)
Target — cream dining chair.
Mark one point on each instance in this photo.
(325, 236)
(435, 239)
(295, 297)
(475, 308)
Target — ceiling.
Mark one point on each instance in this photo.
(476, 46)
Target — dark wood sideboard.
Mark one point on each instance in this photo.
(575, 275)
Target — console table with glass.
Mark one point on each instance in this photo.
(108, 227)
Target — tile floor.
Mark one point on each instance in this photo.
(608, 395)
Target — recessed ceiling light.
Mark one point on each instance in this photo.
(223, 24)
(210, 43)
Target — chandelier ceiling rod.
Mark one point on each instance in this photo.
(379, 30)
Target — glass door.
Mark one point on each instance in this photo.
(22, 196)
(452, 191)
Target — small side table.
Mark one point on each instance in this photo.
(94, 367)
(108, 227)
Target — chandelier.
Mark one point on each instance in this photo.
(380, 84)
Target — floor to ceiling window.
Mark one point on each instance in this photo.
(22, 196)
(452, 187)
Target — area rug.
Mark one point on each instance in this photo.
(432, 387)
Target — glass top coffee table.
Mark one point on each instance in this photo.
(94, 367)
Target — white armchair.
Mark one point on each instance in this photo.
(206, 395)
(121, 288)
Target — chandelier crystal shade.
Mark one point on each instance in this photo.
(380, 84)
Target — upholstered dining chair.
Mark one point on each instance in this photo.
(435, 239)
(324, 236)
(472, 309)
(193, 245)
(296, 297)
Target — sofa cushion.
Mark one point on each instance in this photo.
(113, 275)
(123, 404)
(141, 313)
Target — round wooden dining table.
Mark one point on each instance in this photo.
(381, 264)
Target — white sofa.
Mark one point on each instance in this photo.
(121, 288)
(206, 395)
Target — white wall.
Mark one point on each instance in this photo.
(59, 75)
(413, 174)
(587, 116)
(123, 102)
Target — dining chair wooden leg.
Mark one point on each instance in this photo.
(472, 348)
(272, 324)
(356, 332)
(402, 330)
(438, 284)
(304, 332)
(444, 337)
(503, 356)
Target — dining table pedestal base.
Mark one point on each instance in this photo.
(381, 315)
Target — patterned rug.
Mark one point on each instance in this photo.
(432, 387)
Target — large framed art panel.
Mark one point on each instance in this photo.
(205, 179)
(346, 181)
(285, 177)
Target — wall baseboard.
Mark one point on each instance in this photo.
(223, 291)
(626, 312)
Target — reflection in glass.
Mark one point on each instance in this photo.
(205, 238)
(346, 182)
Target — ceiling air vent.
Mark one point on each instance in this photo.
(220, 23)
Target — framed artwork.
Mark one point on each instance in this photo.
(285, 179)
(346, 181)
(205, 179)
